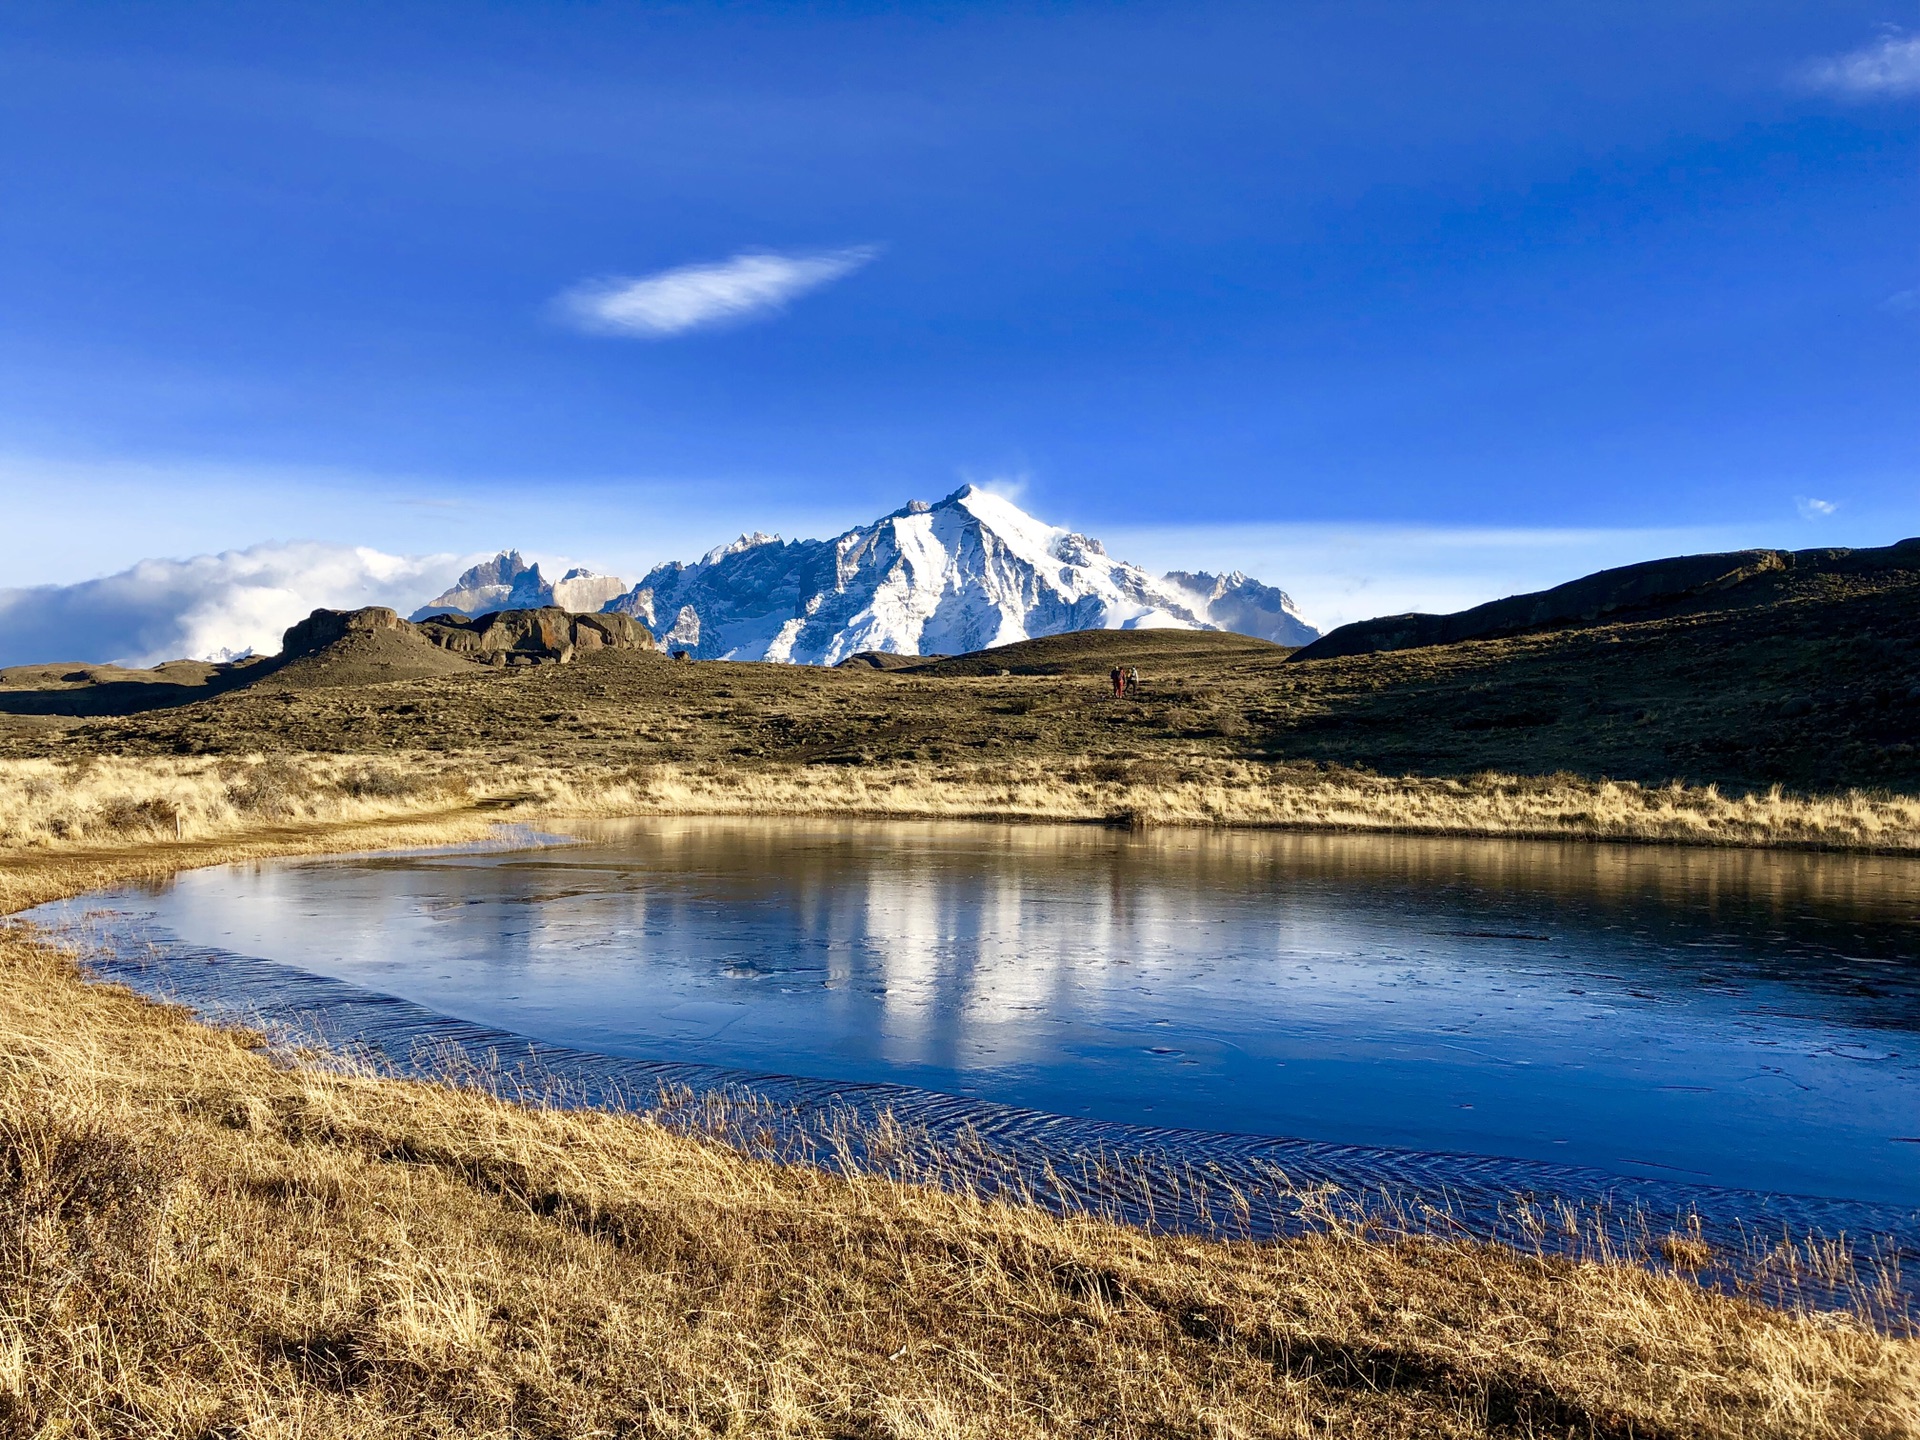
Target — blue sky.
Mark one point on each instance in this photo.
(1426, 286)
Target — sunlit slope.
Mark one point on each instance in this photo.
(1095, 652)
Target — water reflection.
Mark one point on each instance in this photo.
(1735, 1017)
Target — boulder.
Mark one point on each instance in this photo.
(614, 632)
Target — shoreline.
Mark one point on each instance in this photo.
(164, 807)
(22, 888)
(480, 1202)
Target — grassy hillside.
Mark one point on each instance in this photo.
(1808, 682)
(1095, 652)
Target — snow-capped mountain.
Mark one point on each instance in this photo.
(1245, 606)
(507, 582)
(971, 572)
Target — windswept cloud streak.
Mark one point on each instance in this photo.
(212, 607)
(1891, 67)
(694, 297)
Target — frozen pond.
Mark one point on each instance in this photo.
(1717, 1018)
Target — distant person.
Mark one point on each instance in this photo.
(1119, 679)
(1133, 681)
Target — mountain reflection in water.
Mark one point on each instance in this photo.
(1737, 1018)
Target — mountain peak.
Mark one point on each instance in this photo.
(739, 547)
(502, 569)
(972, 571)
(969, 572)
(508, 582)
(483, 587)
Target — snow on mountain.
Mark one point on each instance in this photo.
(483, 589)
(972, 572)
(507, 582)
(1245, 606)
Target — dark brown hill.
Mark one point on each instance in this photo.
(1653, 589)
(356, 647)
(882, 660)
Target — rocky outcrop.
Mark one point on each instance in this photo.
(329, 627)
(1629, 592)
(521, 636)
(547, 634)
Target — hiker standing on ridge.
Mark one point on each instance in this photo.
(1133, 681)
(1119, 679)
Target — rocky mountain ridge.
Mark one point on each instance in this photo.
(971, 572)
(508, 582)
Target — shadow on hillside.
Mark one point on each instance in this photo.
(103, 691)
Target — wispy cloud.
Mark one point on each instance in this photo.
(212, 607)
(1812, 509)
(693, 297)
(1889, 67)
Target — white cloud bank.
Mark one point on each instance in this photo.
(211, 607)
(692, 297)
(1891, 67)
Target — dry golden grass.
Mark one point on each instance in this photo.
(116, 800)
(197, 1241)
(1211, 791)
(47, 807)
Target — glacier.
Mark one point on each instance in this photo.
(969, 573)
